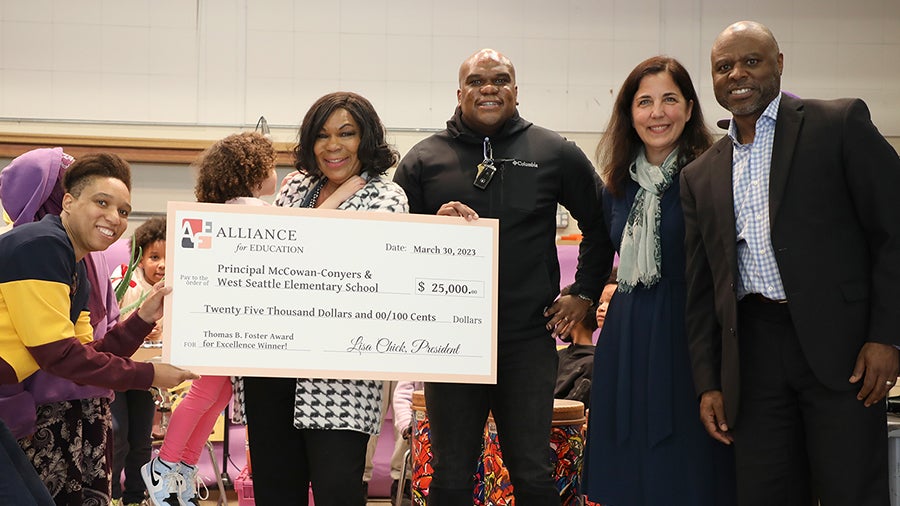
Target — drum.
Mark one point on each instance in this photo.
(420, 442)
(567, 449)
(492, 483)
(566, 452)
(496, 488)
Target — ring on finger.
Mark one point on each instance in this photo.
(889, 383)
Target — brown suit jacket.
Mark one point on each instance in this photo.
(834, 206)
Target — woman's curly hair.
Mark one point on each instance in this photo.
(374, 153)
(234, 167)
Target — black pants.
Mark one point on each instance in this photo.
(286, 460)
(132, 413)
(522, 405)
(795, 440)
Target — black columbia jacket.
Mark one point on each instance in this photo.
(536, 169)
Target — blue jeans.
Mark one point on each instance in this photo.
(522, 406)
(19, 482)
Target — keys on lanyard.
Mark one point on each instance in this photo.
(486, 169)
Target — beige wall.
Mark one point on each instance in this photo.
(172, 69)
(226, 62)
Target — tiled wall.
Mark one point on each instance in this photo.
(229, 61)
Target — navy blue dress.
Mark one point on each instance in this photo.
(646, 445)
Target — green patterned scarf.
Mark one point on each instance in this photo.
(640, 254)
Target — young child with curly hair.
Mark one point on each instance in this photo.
(133, 410)
(235, 170)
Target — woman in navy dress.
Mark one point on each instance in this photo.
(645, 444)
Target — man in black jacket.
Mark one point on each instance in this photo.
(490, 162)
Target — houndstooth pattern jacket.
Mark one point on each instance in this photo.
(342, 404)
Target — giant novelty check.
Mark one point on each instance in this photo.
(270, 291)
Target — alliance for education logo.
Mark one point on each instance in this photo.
(196, 233)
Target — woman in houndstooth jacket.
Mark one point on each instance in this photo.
(315, 431)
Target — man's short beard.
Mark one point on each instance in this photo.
(767, 93)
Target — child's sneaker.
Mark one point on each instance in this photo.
(164, 482)
(190, 494)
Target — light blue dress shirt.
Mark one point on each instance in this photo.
(750, 166)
